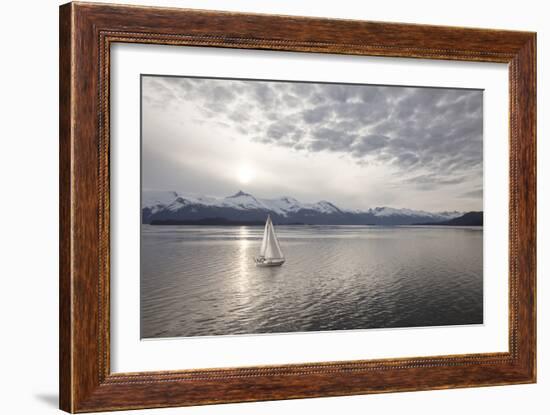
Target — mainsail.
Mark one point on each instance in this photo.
(270, 248)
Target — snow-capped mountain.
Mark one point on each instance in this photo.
(437, 216)
(159, 206)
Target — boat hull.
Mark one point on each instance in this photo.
(269, 262)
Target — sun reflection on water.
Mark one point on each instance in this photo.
(244, 259)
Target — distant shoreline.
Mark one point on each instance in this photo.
(468, 219)
(227, 222)
(215, 222)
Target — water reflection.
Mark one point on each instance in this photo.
(203, 281)
(244, 260)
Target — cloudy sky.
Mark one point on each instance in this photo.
(358, 146)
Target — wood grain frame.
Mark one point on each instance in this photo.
(86, 33)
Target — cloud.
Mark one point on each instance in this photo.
(429, 137)
(317, 115)
(433, 181)
(330, 139)
(475, 194)
(279, 130)
(369, 144)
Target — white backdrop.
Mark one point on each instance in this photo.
(129, 354)
(28, 171)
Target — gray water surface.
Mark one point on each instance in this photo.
(202, 280)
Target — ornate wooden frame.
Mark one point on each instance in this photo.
(86, 33)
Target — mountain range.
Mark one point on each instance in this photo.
(468, 219)
(170, 207)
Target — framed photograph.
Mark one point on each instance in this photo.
(258, 207)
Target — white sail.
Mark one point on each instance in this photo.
(270, 248)
(273, 249)
(264, 240)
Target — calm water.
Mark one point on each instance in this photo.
(199, 281)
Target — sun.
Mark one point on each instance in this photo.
(245, 174)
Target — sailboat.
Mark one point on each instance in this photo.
(270, 252)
